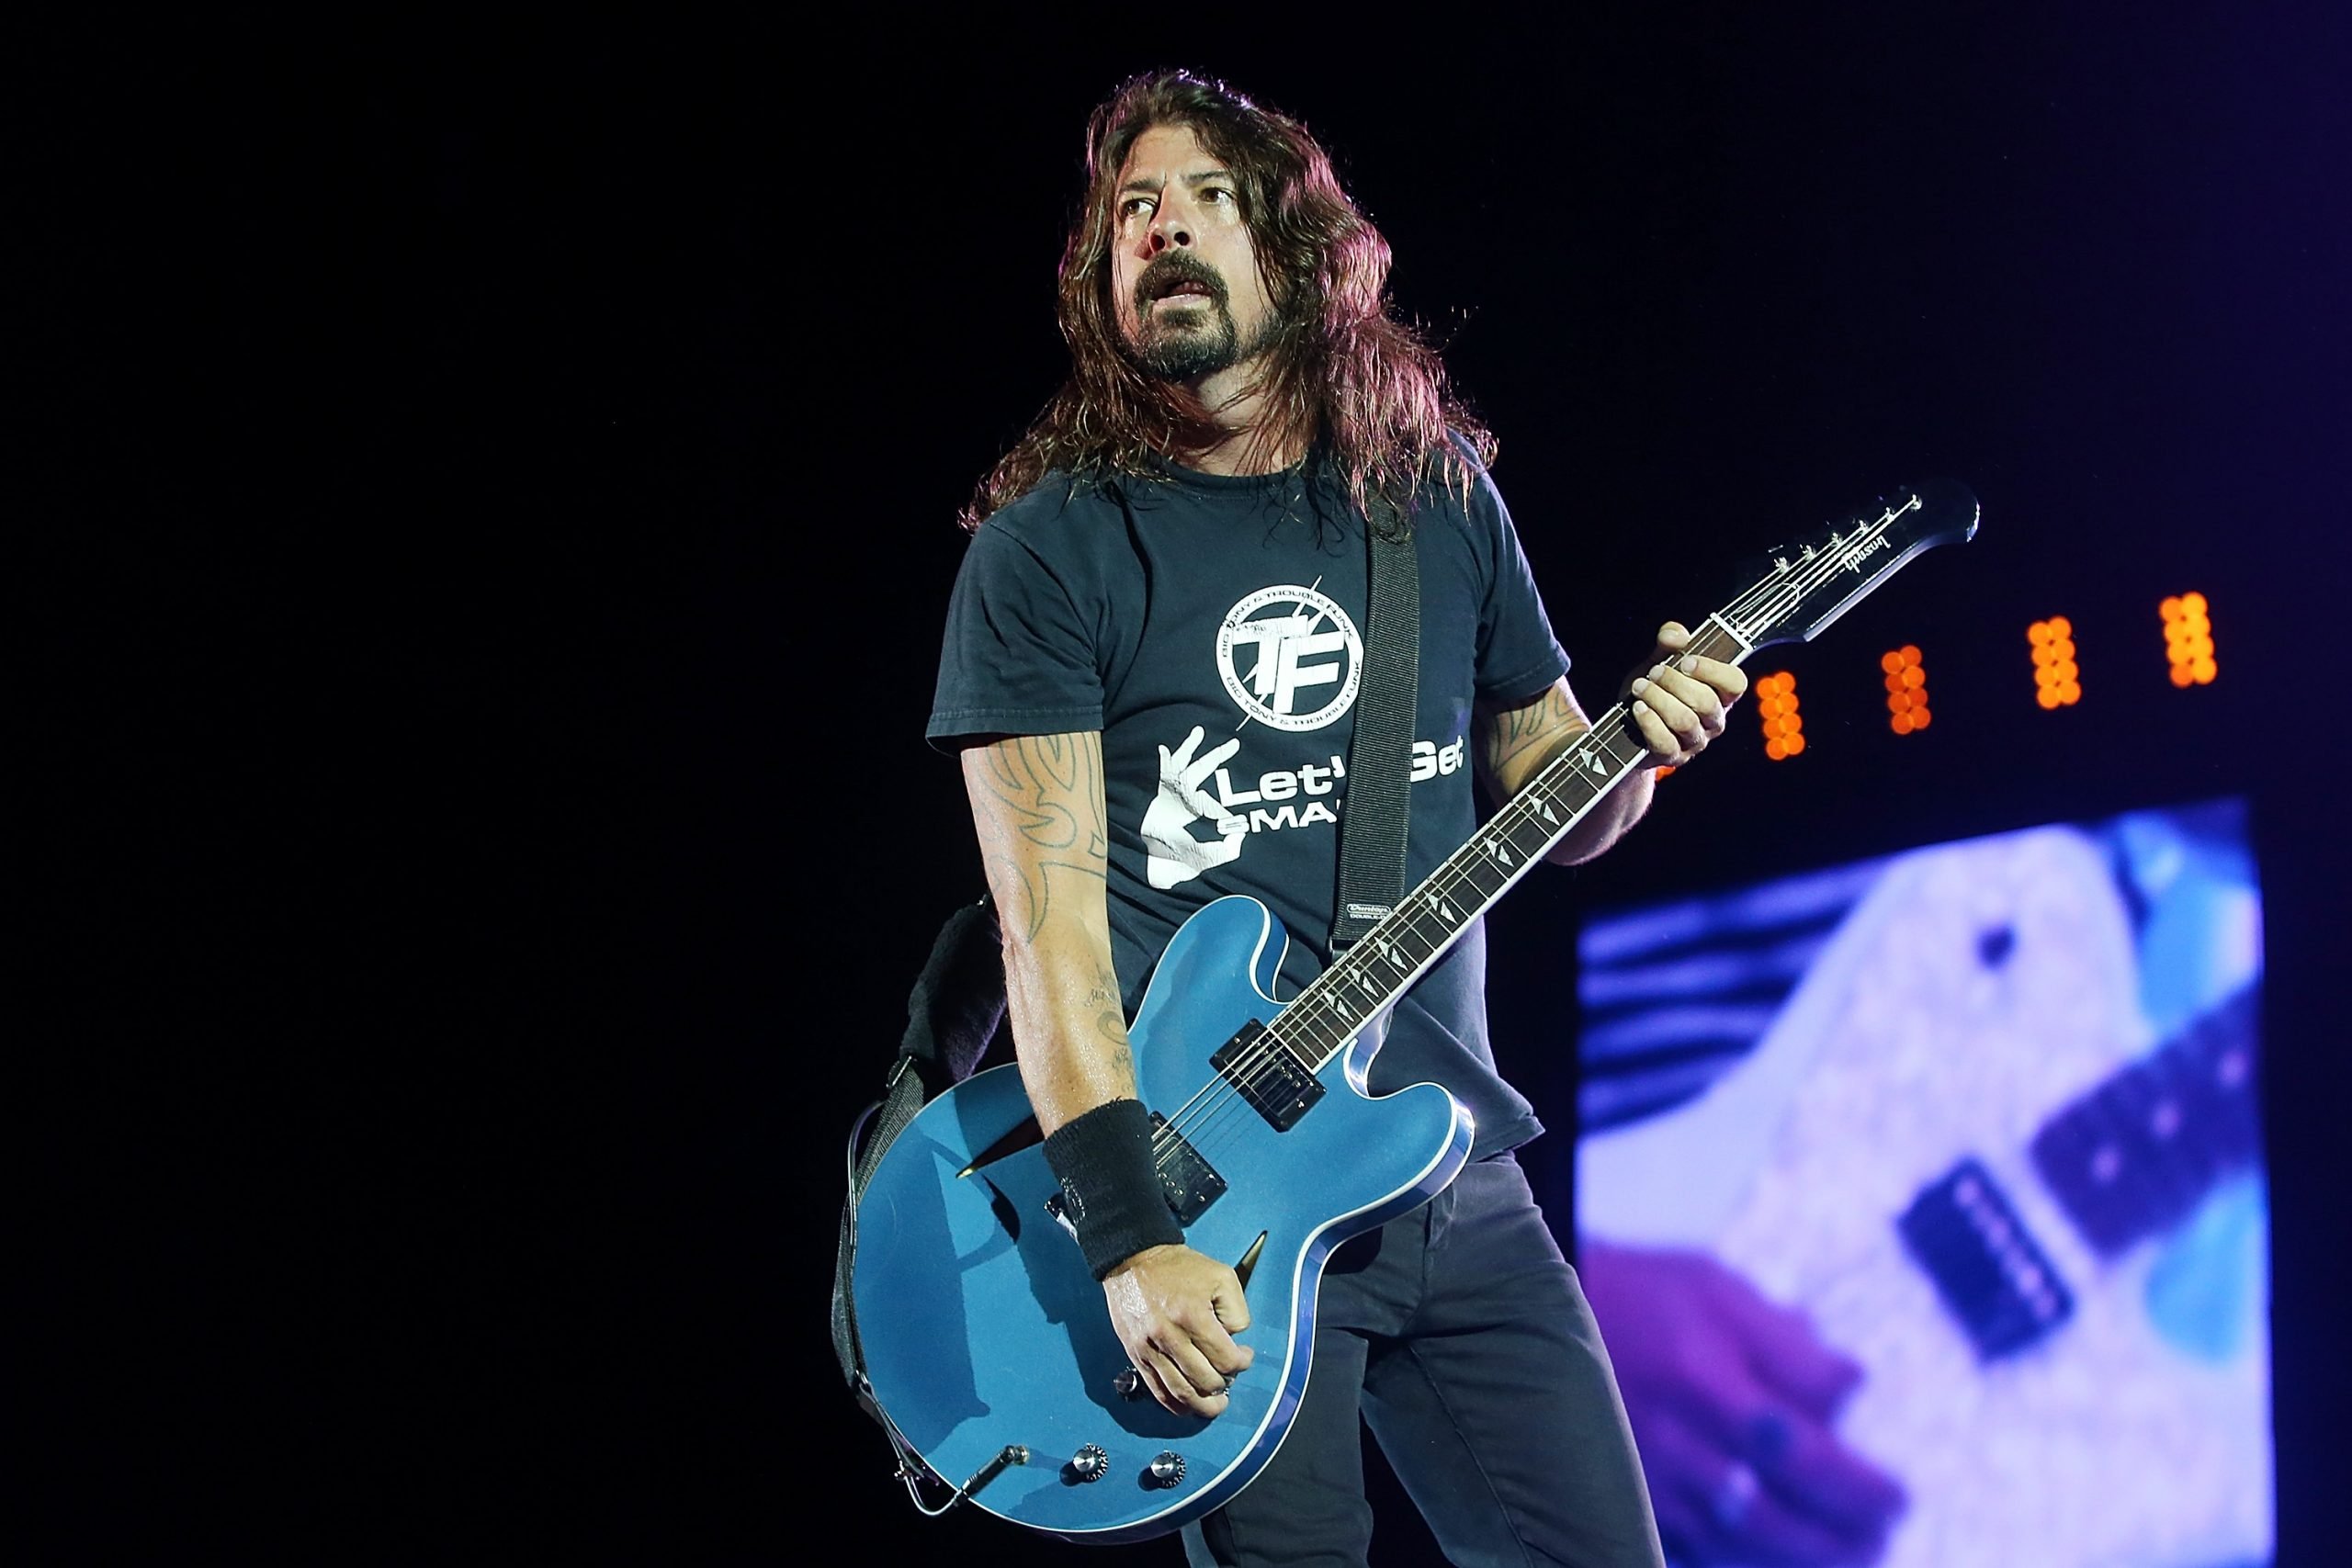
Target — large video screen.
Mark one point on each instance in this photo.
(1921, 1203)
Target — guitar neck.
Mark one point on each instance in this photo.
(1428, 921)
(1804, 587)
(2133, 1156)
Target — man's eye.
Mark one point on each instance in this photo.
(1135, 206)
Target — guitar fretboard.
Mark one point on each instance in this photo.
(2136, 1154)
(1806, 587)
(1334, 1009)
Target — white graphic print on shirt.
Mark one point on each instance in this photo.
(1284, 643)
(1170, 852)
(1281, 798)
(1272, 648)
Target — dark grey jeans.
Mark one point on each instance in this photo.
(1462, 1336)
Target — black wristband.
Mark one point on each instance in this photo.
(1111, 1191)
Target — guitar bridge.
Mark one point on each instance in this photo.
(1188, 1182)
(1278, 1085)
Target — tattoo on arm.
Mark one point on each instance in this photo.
(1541, 727)
(1110, 1016)
(1038, 809)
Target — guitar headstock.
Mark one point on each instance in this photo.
(1804, 586)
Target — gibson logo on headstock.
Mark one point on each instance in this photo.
(1854, 553)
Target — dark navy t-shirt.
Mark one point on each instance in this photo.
(1211, 628)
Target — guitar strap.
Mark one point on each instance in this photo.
(1380, 758)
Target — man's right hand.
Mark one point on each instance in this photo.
(1177, 1311)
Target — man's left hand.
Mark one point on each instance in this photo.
(1680, 700)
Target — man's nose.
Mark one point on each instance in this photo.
(1170, 228)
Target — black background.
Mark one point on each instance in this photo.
(484, 525)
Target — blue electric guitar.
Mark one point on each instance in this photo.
(987, 1347)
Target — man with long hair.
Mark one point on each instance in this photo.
(1176, 551)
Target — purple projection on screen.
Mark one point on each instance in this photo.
(1974, 1127)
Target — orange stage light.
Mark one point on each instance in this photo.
(1907, 688)
(2057, 679)
(2189, 640)
(1776, 707)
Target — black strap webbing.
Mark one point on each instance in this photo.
(1380, 758)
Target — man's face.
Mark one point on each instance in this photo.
(1185, 282)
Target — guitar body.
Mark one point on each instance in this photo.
(982, 1327)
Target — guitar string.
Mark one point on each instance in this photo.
(1320, 1021)
(1774, 585)
(1448, 881)
(1330, 1031)
(1775, 593)
(1329, 1023)
(1192, 1122)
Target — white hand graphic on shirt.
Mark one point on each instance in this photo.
(1173, 854)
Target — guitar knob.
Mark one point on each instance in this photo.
(1129, 1384)
(1167, 1470)
(1089, 1462)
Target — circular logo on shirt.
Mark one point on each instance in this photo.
(1291, 657)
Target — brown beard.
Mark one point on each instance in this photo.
(1180, 345)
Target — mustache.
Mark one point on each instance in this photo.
(1170, 269)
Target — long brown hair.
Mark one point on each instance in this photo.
(1339, 371)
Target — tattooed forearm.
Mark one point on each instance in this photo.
(1038, 808)
(1037, 780)
(1516, 741)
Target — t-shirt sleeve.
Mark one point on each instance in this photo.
(1518, 655)
(1018, 657)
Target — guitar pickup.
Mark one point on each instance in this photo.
(1993, 1276)
(1264, 1071)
